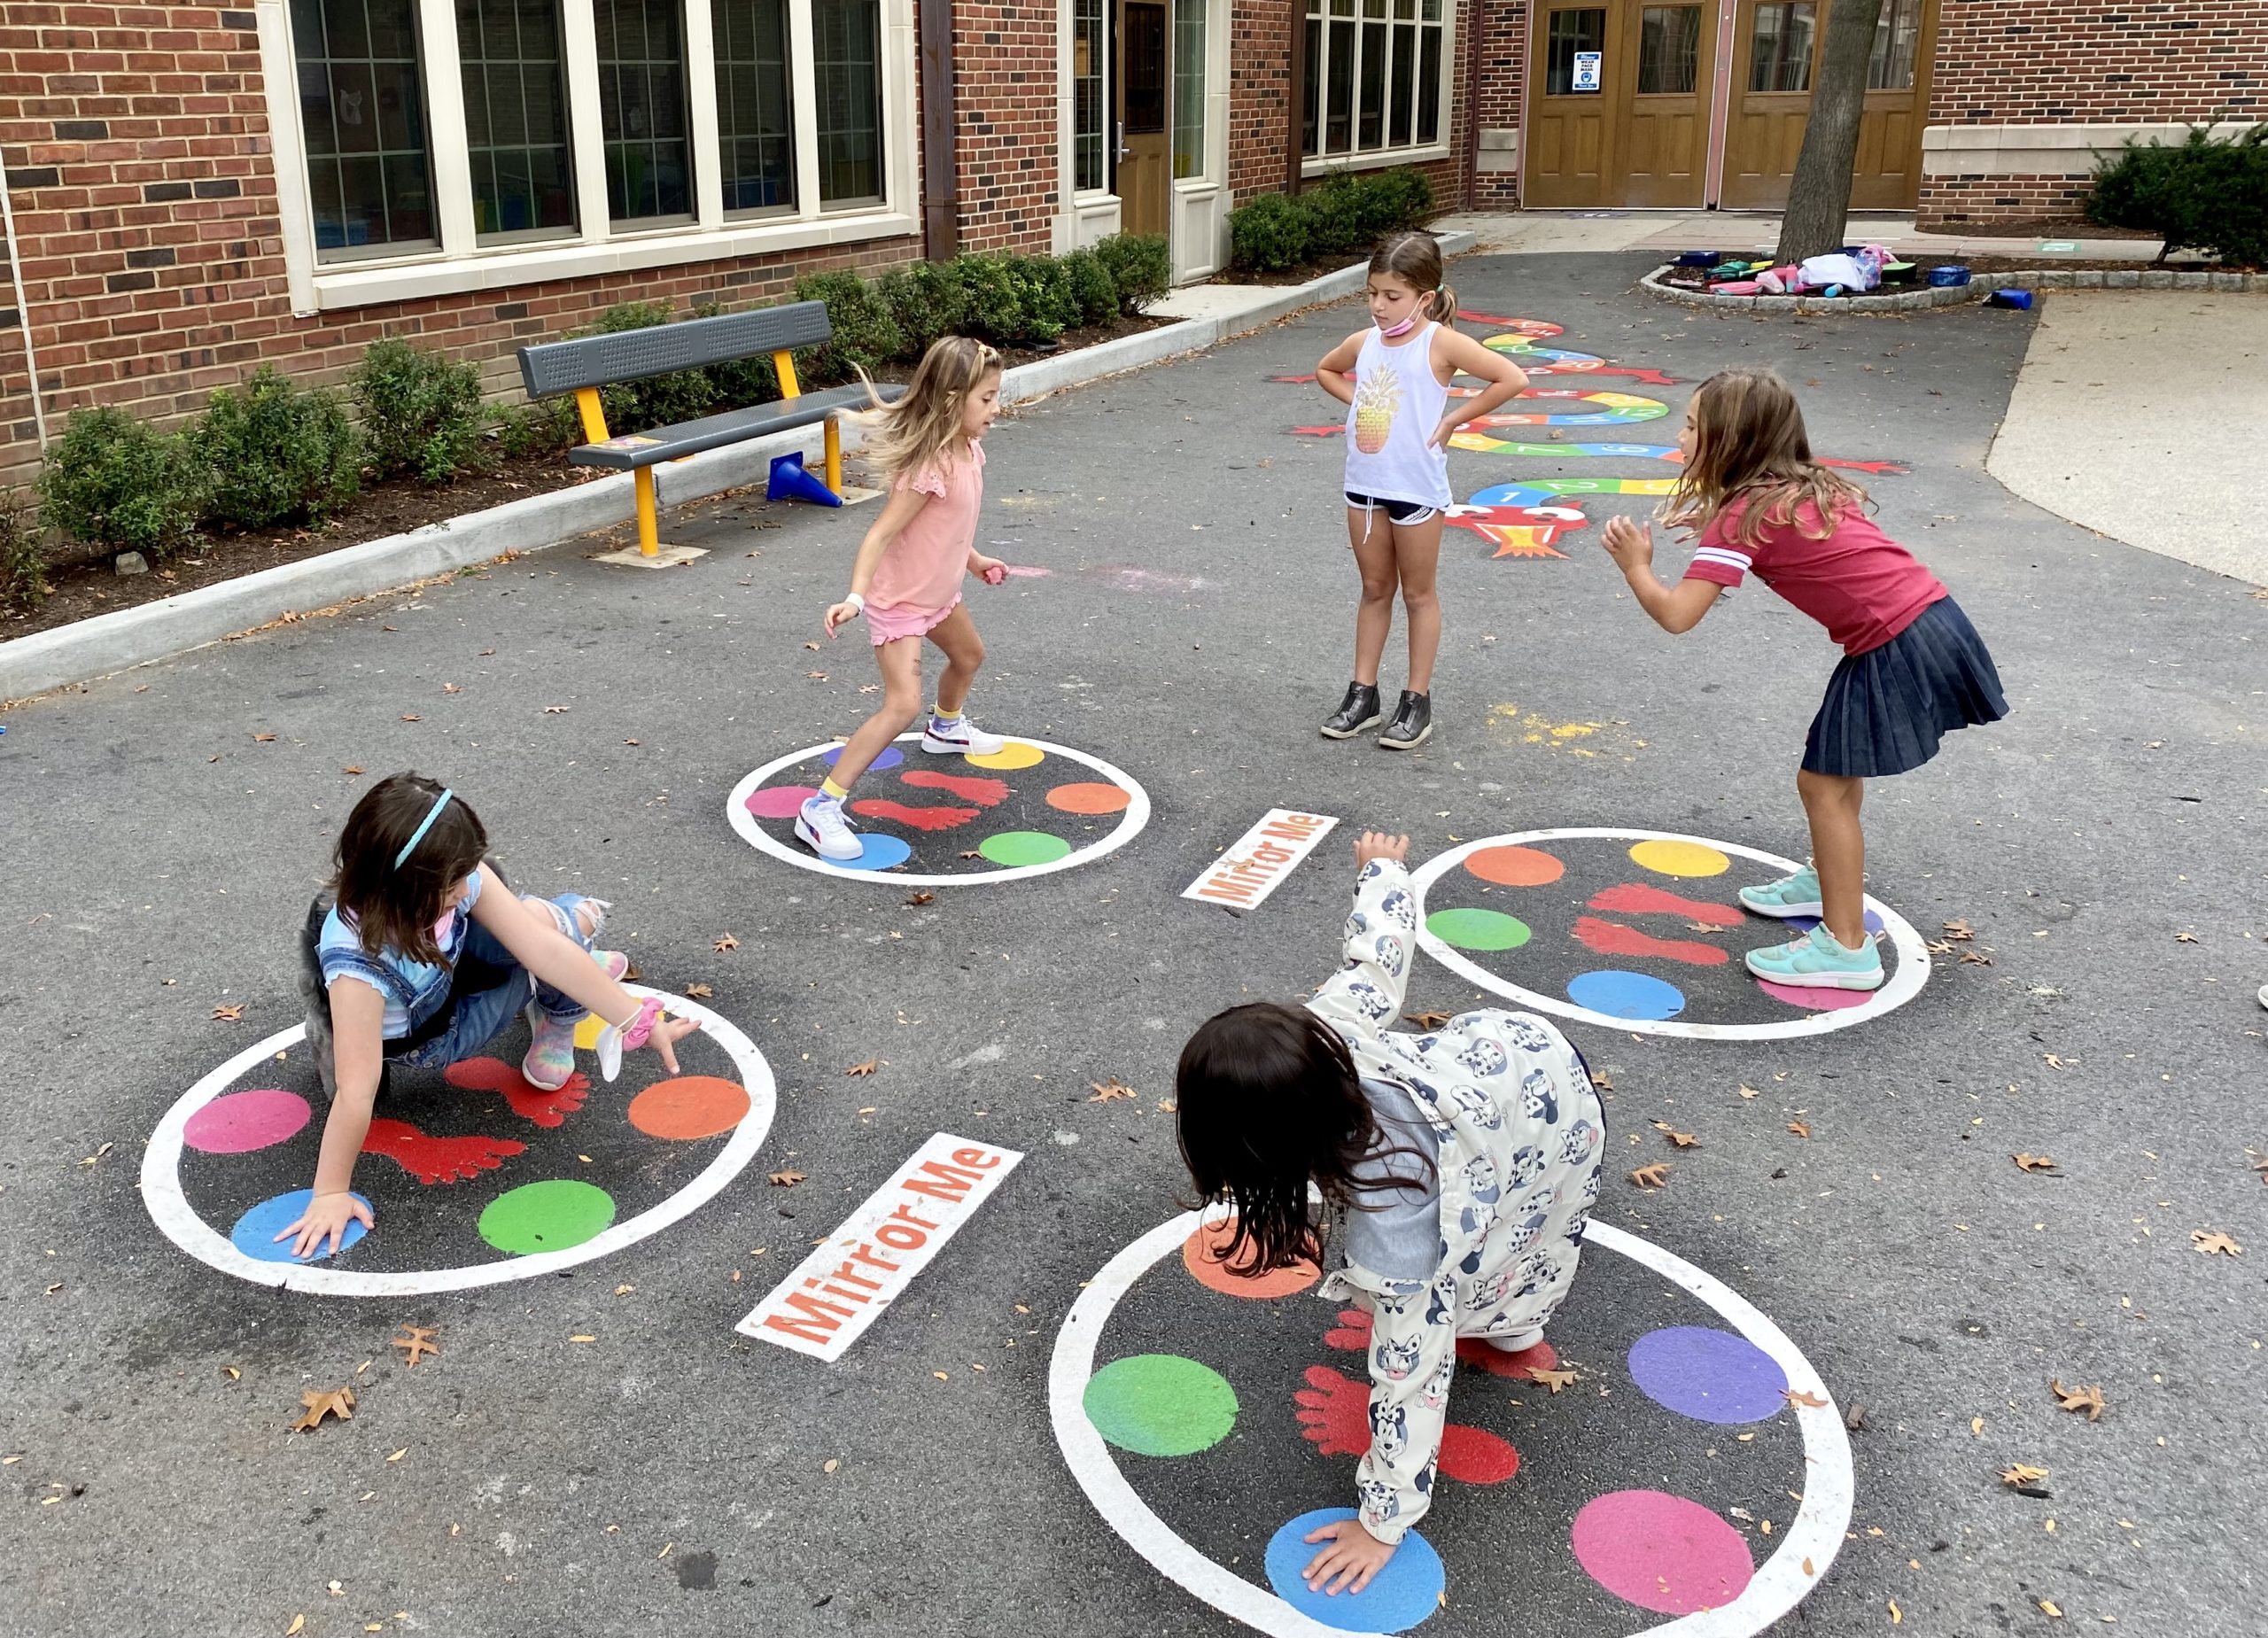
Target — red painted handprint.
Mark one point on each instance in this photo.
(1335, 1412)
(529, 1101)
(437, 1160)
(1353, 1333)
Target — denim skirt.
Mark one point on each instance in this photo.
(1886, 710)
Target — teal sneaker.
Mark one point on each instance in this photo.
(1790, 895)
(1818, 961)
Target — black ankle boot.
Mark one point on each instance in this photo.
(1357, 712)
(1412, 723)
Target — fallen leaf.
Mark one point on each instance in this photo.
(2089, 1399)
(556, 710)
(698, 992)
(813, 647)
(416, 1342)
(816, 676)
(1749, 1092)
(1975, 958)
(1683, 1140)
(629, 741)
(1806, 1398)
(940, 1376)
(1553, 1379)
(234, 1374)
(2033, 1163)
(450, 688)
(1939, 948)
(2017, 1474)
(2185, 939)
(1800, 1128)
(231, 1014)
(2054, 1062)
(972, 853)
(263, 738)
(2048, 1607)
(1603, 1081)
(338, 1402)
(299, 1624)
(787, 1180)
(586, 1338)
(923, 898)
(1703, 927)
(485, 653)
(864, 1069)
(352, 767)
(398, 1455)
(1653, 1176)
(411, 717)
(1433, 1020)
(2212, 1241)
(830, 1465)
(1960, 932)
(725, 941)
(1110, 1090)
(1897, 1615)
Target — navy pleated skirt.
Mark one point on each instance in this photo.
(1886, 710)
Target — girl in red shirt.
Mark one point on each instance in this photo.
(1913, 669)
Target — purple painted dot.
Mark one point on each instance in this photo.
(779, 802)
(892, 758)
(1711, 1376)
(1804, 924)
(1661, 1552)
(1814, 999)
(242, 1121)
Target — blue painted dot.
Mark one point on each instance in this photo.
(879, 852)
(1403, 1593)
(892, 758)
(1804, 924)
(1711, 1376)
(1626, 995)
(255, 1232)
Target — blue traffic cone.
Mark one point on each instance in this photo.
(791, 482)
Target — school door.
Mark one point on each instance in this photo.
(1620, 114)
(1776, 48)
(1145, 159)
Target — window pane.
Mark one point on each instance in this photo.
(756, 136)
(1311, 87)
(1896, 30)
(641, 109)
(1405, 63)
(1088, 105)
(1338, 100)
(1189, 87)
(847, 69)
(1779, 48)
(362, 112)
(1570, 32)
(1371, 129)
(1669, 49)
(515, 115)
(1429, 85)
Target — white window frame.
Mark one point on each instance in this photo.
(461, 264)
(1376, 158)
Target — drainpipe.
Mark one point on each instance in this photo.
(1295, 127)
(1472, 48)
(23, 309)
(940, 169)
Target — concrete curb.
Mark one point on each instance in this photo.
(113, 642)
(1980, 286)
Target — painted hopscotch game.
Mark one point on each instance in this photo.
(1031, 808)
(1666, 1451)
(475, 1175)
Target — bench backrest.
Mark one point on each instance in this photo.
(633, 354)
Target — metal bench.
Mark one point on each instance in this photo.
(584, 364)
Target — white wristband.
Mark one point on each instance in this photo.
(856, 602)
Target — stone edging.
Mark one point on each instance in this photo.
(107, 643)
(1980, 286)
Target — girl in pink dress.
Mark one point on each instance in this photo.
(906, 579)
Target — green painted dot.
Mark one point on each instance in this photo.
(545, 1217)
(1478, 930)
(1023, 846)
(1160, 1405)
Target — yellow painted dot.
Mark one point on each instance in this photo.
(1015, 754)
(586, 1032)
(1680, 859)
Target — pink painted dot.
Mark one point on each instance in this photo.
(1812, 1000)
(242, 1121)
(1661, 1552)
(779, 801)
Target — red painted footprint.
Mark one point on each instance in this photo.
(1634, 898)
(914, 818)
(1335, 1417)
(1612, 938)
(1353, 1334)
(437, 1160)
(529, 1101)
(985, 793)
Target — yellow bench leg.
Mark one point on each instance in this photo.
(649, 528)
(835, 454)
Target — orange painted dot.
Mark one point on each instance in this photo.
(687, 1106)
(1514, 867)
(1087, 798)
(1201, 1253)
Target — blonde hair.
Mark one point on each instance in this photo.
(1415, 259)
(919, 428)
(1749, 448)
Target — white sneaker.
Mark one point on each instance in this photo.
(819, 825)
(961, 736)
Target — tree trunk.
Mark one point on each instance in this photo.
(1819, 195)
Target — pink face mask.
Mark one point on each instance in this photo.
(1403, 328)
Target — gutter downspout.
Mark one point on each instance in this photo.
(23, 309)
(940, 165)
(1472, 48)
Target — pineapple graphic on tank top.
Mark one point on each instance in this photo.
(1398, 402)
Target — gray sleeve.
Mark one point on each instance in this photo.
(1401, 1237)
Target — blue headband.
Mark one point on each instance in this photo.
(424, 825)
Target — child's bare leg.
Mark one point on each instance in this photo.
(1417, 559)
(964, 652)
(1372, 538)
(1838, 850)
(901, 663)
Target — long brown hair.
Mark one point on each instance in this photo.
(1751, 453)
(1415, 259)
(922, 425)
(394, 907)
(1268, 1101)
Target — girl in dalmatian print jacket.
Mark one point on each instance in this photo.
(1457, 1167)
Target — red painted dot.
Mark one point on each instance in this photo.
(1478, 1351)
(1661, 1552)
(1092, 798)
(687, 1106)
(1473, 1455)
(1201, 1253)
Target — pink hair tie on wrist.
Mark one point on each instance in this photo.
(633, 1033)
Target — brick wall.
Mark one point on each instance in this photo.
(2082, 62)
(1503, 83)
(1005, 125)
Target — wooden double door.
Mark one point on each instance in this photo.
(1703, 103)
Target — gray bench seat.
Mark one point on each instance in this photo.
(632, 450)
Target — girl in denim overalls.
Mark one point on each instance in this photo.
(425, 957)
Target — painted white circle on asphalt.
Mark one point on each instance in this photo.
(169, 1206)
(1809, 1545)
(1904, 981)
(1130, 822)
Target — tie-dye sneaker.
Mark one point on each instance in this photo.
(1819, 960)
(1790, 895)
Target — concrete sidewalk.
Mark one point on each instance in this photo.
(1551, 232)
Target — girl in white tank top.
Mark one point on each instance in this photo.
(1394, 377)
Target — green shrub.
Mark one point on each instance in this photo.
(991, 299)
(1050, 304)
(1339, 216)
(545, 427)
(658, 401)
(420, 411)
(1095, 291)
(2201, 195)
(866, 333)
(745, 381)
(113, 482)
(23, 566)
(1403, 199)
(928, 300)
(1141, 265)
(278, 455)
(1269, 234)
